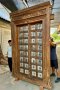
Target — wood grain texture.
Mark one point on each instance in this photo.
(39, 14)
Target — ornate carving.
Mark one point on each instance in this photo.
(34, 14)
(30, 15)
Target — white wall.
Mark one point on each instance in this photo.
(5, 35)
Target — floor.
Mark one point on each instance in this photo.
(7, 82)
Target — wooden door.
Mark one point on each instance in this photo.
(30, 39)
(31, 49)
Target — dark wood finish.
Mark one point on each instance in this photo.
(30, 44)
(52, 17)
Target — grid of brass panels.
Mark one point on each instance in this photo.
(23, 46)
(31, 63)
